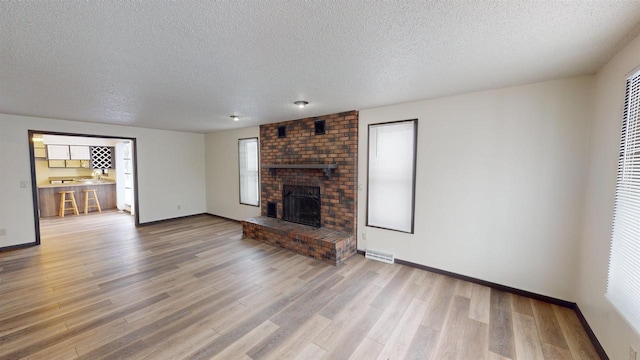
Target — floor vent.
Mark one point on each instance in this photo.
(380, 256)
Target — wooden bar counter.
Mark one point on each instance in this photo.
(49, 197)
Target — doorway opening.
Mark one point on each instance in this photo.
(92, 169)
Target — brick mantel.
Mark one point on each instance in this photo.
(325, 167)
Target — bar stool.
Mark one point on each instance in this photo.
(64, 201)
(94, 197)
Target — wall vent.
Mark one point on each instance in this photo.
(379, 256)
(282, 131)
(320, 127)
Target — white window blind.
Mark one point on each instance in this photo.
(391, 175)
(623, 287)
(248, 161)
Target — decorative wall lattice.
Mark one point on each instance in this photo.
(101, 157)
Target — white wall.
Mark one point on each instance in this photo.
(170, 171)
(499, 187)
(223, 181)
(612, 331)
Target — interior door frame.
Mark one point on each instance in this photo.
(34, 185)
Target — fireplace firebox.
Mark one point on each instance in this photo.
(301, 204)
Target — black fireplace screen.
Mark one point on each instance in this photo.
(301, 204)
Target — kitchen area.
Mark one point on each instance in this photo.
(95, 173)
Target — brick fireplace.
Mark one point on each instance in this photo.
(312, 153)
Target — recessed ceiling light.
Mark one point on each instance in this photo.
(301, 104)
(235, 117)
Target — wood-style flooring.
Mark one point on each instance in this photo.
(99, 288)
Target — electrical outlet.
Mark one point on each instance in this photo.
(3, 232)
(633, 354)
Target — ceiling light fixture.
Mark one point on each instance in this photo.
(301, 104)
(235, 117)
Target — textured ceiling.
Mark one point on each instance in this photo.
(188, 65)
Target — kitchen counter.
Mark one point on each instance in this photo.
(49, 197)
(78, 183)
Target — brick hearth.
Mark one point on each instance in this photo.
(324, 244)
(337, 145)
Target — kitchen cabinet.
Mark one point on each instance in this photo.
(94, 157)
(39, 150)
(49, 197)
(57, 163)
(72, 163)
(77, 164)
(58, 152)
(102, 157)
(69, 164)
(79, 152)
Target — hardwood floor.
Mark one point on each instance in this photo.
(99, 288)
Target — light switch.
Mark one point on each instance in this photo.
(24, 184)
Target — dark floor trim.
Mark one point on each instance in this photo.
(224, 217)
(16, 247)
(592, 336)
(171, 219)
(549, 299)
(492, 285)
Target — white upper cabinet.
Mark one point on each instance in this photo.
(80, 152)
(58, 152)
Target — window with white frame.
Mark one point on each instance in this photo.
(391, 175)
(249, 171)
(623, 286)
